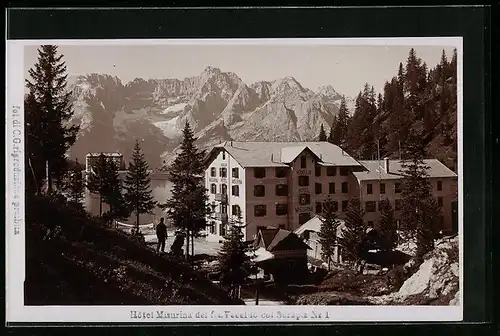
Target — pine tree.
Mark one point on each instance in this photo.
(352, 237)
(387, 229)
(97, 182)
(76, 185)
(137, 185)
(328, 230)
(338, 134)
(113, 193)
(234, 261)
(419, 217)
(49, 134)
(322, 134)
(188, 205)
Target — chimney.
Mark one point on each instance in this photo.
(386, 165)
(231, 143)
(272, 157)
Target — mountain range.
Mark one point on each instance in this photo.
(218, 105)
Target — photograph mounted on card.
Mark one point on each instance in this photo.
(212, 181)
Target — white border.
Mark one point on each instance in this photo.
(15, 244)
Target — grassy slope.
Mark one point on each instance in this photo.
(73, 260)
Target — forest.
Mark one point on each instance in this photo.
(418, 100)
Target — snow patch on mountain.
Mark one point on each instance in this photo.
(174, 109)
(170, 128)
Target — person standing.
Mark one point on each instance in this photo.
(161, 234)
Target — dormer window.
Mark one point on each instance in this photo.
(303, 162)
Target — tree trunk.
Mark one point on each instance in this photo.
(49, 179)
(192, 245)
(137, 219)
(257, 295)
(100, 204)
(187, 244)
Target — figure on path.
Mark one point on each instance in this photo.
(161, 234)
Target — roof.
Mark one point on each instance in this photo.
(274, 237)
(105, 154)
(279, 154)
(314, 224)
(375, 170)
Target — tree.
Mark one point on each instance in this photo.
(352, 237)
(322, 134)
(76, 185)
(188, 205)
(420, 214)
(113, 193)
(97, 182)
(234, 261)
(49, 132)
(137, 185)
(387, 227)
(338, 133)
(328, 230)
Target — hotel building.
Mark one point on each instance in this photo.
(283, 184)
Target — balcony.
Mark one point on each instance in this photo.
(223, 217)
(221, 198)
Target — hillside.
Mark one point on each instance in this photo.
(217, 104)
(71, 259)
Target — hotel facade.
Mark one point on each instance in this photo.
(283, 184)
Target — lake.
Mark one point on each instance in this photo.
(161, 189)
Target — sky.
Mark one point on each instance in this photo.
(345, 67)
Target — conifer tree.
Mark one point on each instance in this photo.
(322, 134)
(328, 230)
(97, 182)
(137, 185)
(338, 134)
(419, 212)
(234, 261)
(49, 133)
(352, 237)
(113, 193)
(188, 205)
(387, 227)
(76, 185)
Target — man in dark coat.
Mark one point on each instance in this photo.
(161, 234)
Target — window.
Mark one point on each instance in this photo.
(259, 191)
(304, 199)
(213, 188)
(259, 172)
(319, 207)
(303, 181)
(213, 172)
(282, 190)
(281, 209)
(303, 162)
(280, 172)
(331, 188)
(397, 188)
(344, 188)
(223, 172)
(259, 210)
(304, 217)
(370, 223)
(318, 188)
(235, 190)
(397, 204)
(344, 171)
(345, 205)
(440, 201)
(370, 206)
(214, 206)
(223, 209)
(236, 172)
(236, 210)
(382, 188)
(223, 155)
(222, 229)
(223, 188)
(335, 207)
(439, 185)
(369, 188)
(317, 171)
(331, 171)
(212, 227)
